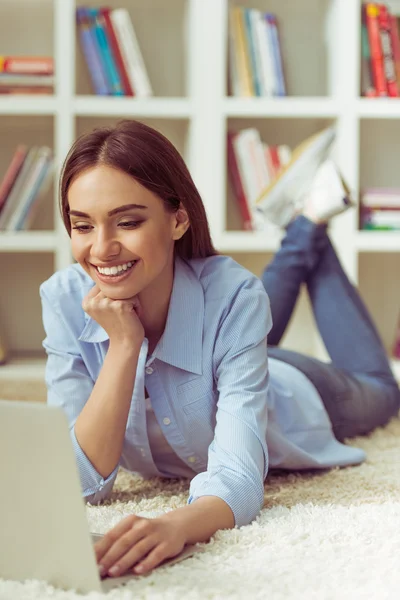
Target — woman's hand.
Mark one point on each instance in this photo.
(119, 318)
(138, 544)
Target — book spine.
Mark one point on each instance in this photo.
(15, 79)
(22, 89)
(130, 50)
(237, 184)
(246, 83)
(276, 53)
(264, 53)
(89, 50)
(387, 51)
(27, 65)
(233, 73)
(126, 86)
(395, 39)
(112, 75)
(28, 217)
(251, 49)
(37, 191)
(13, 196)
(29, 189)
(367, 87)
(374, 39)
(12, 173)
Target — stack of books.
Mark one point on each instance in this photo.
(380, 209)
(380, 51)
(255, 65)
(24, 185)
(26, 75)
(112, 52)
(252, 166)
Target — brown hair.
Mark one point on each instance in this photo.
(152, 160)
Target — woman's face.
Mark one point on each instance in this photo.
(121, 233)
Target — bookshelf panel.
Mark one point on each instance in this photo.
(20, 307)
(302, 26)
(379, 153)
(31, 131)
(380, 288)
(177, 131)
(160, 28)
(273, 132)
(26, 27)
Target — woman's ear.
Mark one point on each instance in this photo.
(181, 222)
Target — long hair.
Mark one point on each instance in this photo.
(152, 160)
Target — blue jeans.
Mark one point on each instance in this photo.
(357, 387)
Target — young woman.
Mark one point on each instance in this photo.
(157, 349)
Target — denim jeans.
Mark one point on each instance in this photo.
(357, 387)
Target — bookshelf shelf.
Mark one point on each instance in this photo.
(281, 107)
(28, 105)
(27, 241)
(168, 108)
(378, 108)
(378, 241)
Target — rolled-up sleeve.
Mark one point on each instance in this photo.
(69, 386)
(238, 455)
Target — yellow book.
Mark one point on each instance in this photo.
(242, 53)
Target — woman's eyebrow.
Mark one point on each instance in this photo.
(114, 211)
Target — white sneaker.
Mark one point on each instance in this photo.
(328, 194)
(284, 197)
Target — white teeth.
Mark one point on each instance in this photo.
(115, 270)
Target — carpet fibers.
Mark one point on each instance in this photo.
(332, 535)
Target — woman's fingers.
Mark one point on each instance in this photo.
(153, 559)
(120, 566)
(108, 540)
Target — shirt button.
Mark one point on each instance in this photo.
(149, 370)
(166, 421)
(142, 452)
(192, 459)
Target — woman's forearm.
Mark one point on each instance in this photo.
(201, 519)
(100, 428)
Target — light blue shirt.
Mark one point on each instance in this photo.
(228, 414)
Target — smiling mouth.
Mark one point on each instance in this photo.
(109, 273)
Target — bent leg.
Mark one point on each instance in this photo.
(356, 404)
(289, 269)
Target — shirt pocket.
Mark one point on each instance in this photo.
(195, 395)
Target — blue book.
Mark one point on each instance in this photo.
(112, 75)
(90, 52)
(251, 41)
(276, 53)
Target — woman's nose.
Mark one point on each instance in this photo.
(105, 246)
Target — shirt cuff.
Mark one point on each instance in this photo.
(244, 497)
(94, 487)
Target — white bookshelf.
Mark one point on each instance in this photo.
(184, 43)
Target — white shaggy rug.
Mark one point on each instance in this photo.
(332, 535)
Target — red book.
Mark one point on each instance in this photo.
(234, 174)
(276, 163)
(27, 65)
(374, 37)
(387, 50)
(128, 91)
(395, 38)
(12, 172)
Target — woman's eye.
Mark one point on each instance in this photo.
(130, 224)
(82, 228)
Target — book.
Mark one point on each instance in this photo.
(387, 51)
(381, 197)
(16, 79)
(30, 188)
(105, 51)
(275, 46)
(367, 87)
(242, 57)
(266, 75)
(395, 39)
(27, 65)
(13, 196)
(126, 85)
(237, 184)
(31, 210)
(130, 52)
(90, 52)
(250, 40)
(374, 39)
(11, 173)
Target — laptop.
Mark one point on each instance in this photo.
(43, 524)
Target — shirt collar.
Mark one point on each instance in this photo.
(182, 341)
